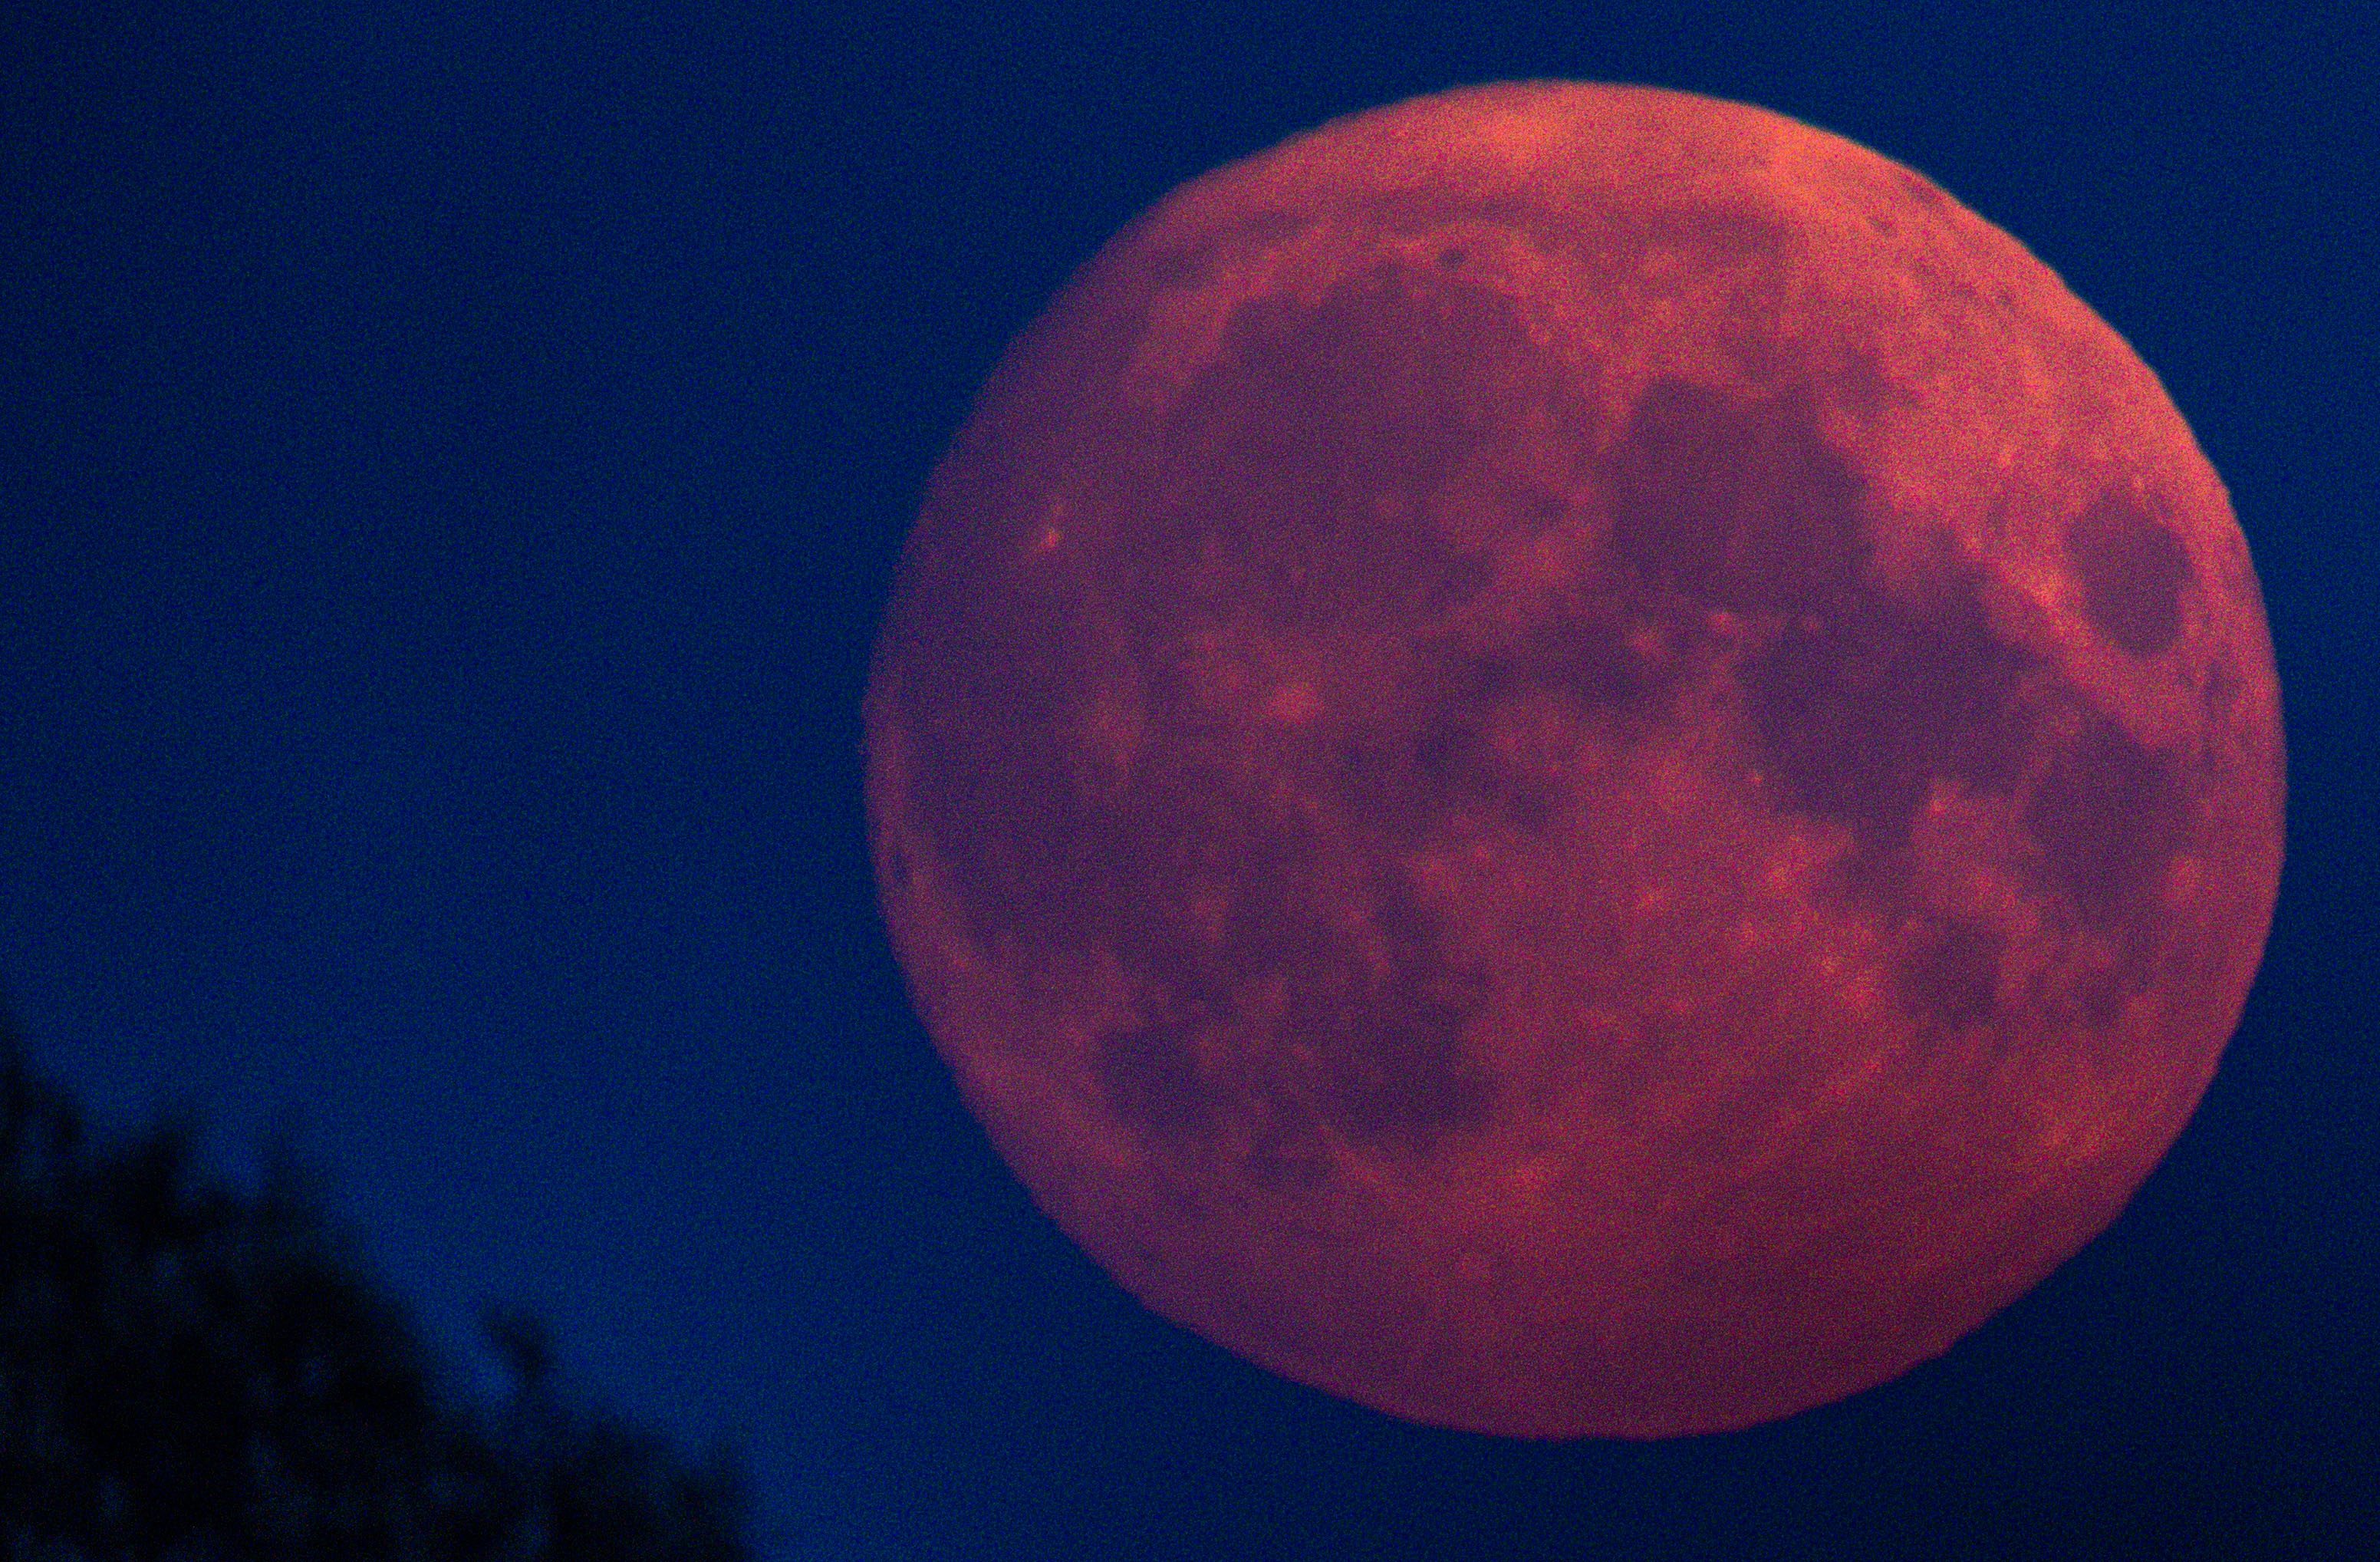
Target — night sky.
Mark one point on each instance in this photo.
(452, 463)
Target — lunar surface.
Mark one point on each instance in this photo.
(1576, 760)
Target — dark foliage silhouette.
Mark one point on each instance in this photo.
(189, 1372)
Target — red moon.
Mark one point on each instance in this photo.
(1576, 760)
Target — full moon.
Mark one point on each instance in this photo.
(1576, 761)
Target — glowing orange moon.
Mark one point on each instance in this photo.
(1573, 759)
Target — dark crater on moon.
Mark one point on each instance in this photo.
(2131, 567)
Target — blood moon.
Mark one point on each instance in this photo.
(1576, 760)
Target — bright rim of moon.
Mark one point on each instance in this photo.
(1576, 760)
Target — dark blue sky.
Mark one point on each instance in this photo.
(452, 459)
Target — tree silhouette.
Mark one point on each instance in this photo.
(190, 1373)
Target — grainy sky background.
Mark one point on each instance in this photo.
(452, 459)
